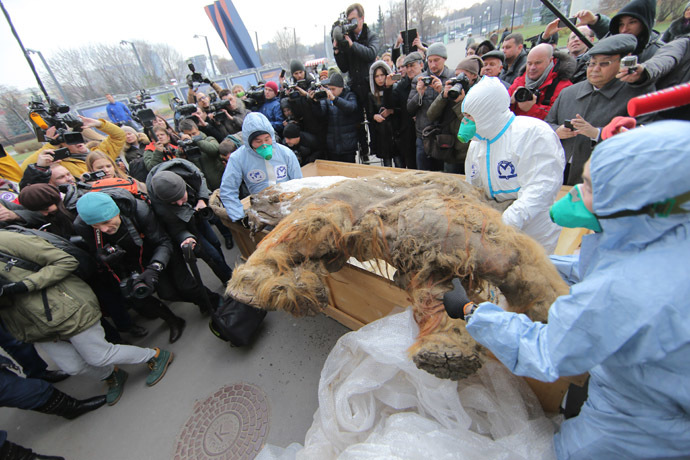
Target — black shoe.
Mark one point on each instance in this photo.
(176, 328)
(68, 407)
(229, 244)
(137, 331)
(14, 451)
(52, 376)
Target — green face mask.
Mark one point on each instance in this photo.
(570, 212)
(240, 94)
(266, 151)
(467, 130)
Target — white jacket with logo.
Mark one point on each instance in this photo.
(514, 158)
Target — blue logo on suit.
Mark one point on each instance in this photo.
(506, 170)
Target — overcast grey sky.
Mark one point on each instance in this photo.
(50, 25)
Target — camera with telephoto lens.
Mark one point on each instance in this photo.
(134, 287)
(341, 28)
(189, 149)
(523, 94)
(255, 96)
(67, 126)
(137, 105)
(93, 176)
(304, 84)
(181, 109)
(427, 80)
(319, 90)
(460, 83)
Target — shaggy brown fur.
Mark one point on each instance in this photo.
(431, 227)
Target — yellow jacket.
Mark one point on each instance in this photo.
(111, 145)
(9, 169)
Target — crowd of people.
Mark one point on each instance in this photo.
(101, 232)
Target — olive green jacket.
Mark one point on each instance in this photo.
(70, 305)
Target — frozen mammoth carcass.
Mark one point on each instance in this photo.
(430, 227)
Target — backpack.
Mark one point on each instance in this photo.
(116, 182)
(236, 322)
(437, 144)
(87, 265)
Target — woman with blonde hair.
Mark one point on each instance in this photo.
(99, 161)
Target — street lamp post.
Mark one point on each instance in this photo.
(136, 54)
(50, 72)
(488, 19)
(213, 67)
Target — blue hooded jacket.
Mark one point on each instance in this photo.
(258, 173)
(626, 320)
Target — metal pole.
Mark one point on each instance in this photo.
(52, 75)
(213, 66)
(512, 18)
(256, 35)
(136, 54)
(294, 36)
(28, 59)
(406, 49)
(565, 20)
(500, 15)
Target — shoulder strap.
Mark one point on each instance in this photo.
(548, 94)
(14, 261)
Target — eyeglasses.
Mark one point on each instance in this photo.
(602, 64)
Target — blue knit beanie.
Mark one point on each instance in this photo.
(96, 207)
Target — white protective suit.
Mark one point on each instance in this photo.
(625, 320)
(246, 165)
(514, 158)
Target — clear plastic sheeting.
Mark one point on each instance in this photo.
(375, 404)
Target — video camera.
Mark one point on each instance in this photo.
(523, 94)
(93, 176)
(342, 27)
(137, 105)
(255, 96)
(319, 90)
(216, 108)
(460, 83)
(67, 126)
(304, 84)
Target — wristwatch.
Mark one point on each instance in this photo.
(157, 266)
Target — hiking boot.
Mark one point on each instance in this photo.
(116, 385)
(159, 366)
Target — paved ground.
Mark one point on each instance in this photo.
(283, 365)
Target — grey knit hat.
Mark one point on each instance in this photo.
(168, 186)
(437, 49)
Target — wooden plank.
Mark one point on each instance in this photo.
(343, 318)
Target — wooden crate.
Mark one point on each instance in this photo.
(359, 296)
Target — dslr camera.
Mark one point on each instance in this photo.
(67, 126)
(134, 287)
(523, 94)
(195, 77)
(189, 149)
(460, 83)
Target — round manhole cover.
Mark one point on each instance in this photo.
(230, 424)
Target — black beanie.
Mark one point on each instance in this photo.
(296, 65)
(255, 134)
(291, 131)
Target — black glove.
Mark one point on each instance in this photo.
(150, 277)
(455, 301)
(13, 288)
(206, 80)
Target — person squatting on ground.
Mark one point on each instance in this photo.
(513, 158)
(42, 302)
(625, 318)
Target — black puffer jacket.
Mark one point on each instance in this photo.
(343, 116)
(141, 230)
(649, 40)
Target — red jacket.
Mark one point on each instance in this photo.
(539, 110)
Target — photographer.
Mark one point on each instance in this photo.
(381, 108)
(75, 162)
(118, 112)
(99, 161)
(355, 49)
(271, 107)
(179, 196)
(342, 114)
(547, 73)
(412, 65)
(426, 87)
(207, 125)
(300, 104)
(160, 122)
(234, 114)
(447, 111)
(306, 147)
(207, 159)
(160, 150)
